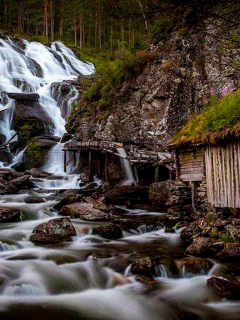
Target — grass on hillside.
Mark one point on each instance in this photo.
(208, 127)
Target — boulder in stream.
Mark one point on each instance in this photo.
(9, 214)
(20, 181)
(53, 231)
(85, 211)
(19, 166)
(109, 231)
(7, 187)
(34, 200)
(122, 194)
(224, 288)
(143, 266)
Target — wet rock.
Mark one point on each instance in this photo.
(2, 138)
(45, 143)
(143, 266)
(100, 205)
(33, 97)
(38, 173)
(194, 266)
(191, 231)
(110, 231)
(66, 137)
(160, 193)
(7, 187)
(5, 156)
(85, 211)
(19, 166)
(21, 180)
(96, 195)
(55, 230)
(204, 247)
(230, 251)
(71, 192)
(145, 279)
(91, 185)
(224, 288)
(122, 194)
(34, 200)
(9, 214)
(75, 197)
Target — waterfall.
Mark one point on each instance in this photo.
(32, 67)
(130, 180)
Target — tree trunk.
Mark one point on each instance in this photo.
(61, 19)
(51, 19)
(111, 37)
(45, 19)
(81, 32)
(20, 16)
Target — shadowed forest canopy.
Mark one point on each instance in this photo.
(110, 24)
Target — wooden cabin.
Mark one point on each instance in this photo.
(218, 165)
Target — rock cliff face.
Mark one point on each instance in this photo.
(177, 83)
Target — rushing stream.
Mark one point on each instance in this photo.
(89, 277)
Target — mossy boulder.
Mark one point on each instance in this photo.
(34, 155)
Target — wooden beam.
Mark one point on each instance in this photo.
(65, 161)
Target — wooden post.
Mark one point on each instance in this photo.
(106, 167)
(90, 164)
(194, 192)
(65, 161)
(135, 170)
(157, 174)
(74, 158)
(170, 173)
(177, 165)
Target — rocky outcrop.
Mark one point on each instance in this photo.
(53, 231)
(9, 214)
(110, 231)
(31, 97)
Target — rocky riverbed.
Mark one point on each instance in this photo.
(78, 254)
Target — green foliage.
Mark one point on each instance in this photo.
(220, 114)
(34, 155)
(227, 238)
(161, 29)
(112, 72)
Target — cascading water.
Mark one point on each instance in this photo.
(33, 67)
(130, 180)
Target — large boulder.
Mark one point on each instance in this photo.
(85, 211)
(34, 200)
(224, 288)
(110, 231)
(230, 251)
(30, 119)
(205, 247)
(53, 231)
(160, 193)
(122, 194)
(19, 166)
(5, 156)
(143, 266)
(7, 187)
(194, 266)
(9, 214)
(20, 181)
(68, 199)
(32, 97)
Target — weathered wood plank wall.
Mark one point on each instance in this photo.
(191, 165)
(223, 175)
